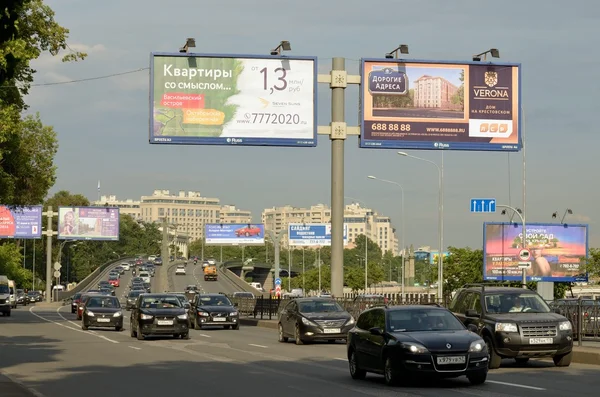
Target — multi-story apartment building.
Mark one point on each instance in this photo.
(434, 92)
(129, 206)
(359, 221)
(231, 214)
(188, 211)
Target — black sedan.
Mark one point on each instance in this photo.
(214, 310)
(408, 342)
(310, 319)
(132, 297)
(159, 314)
(102, 311)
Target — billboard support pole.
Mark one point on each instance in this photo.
(49, 234)
(524, 271)
(165, 241)
(276, 238)
(338, 80)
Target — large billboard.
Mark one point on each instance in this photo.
(312, 234)
(22, 222)
(555, 251)
(244, 100)
(234, 234)
(440, 105)
(88, 223)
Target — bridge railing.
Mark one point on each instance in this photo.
(585, 309)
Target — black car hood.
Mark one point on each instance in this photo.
(211, 309)
(104, 310)
(327, 316)
(439, 340)
(175, 311)
(525, 317)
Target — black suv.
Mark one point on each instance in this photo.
(214, 310)
(514, 323)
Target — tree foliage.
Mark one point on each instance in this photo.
(11, 265)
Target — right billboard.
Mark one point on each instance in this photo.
(556, 251)
(440, 105)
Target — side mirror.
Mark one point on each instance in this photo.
(187, 306)
(473, 328)
(471, 313)
(376, 331)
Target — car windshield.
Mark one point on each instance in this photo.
(192, 288)
(526, 302)
(134, 294)
(421, 320)
(215, 301)
(98, 301)
(319, 306)
(160, 302)
(3, 289)
(77, 296)
(113, 277)
(143, 274)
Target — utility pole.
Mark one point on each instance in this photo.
(276, 238)
(49, 234)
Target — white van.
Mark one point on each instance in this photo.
(5, 304)
(12, 288)
(145, 276)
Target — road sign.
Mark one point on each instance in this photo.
(483, 205)
(524, 265)
(57, 266)
(524, 255)
(277, 281)
(278, 290)
(56, 274)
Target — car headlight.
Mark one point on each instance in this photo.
(350, 321)
(89, 313)
(203, 314)
(415, 348)
(145, 316)
(477, 346)
(118, 314)
(506, 327)
(306, 321)
(565, 326)
(233, 313)
(183, 317)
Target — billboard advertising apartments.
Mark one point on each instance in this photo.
(312, 234)
(556, 251)
(234, 234)
(88, 223)
(24, 222)
(198, 99)
(440, 105)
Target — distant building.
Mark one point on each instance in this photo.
(231, 214)
(434, 92)
(129, 207)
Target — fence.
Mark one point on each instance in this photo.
(585, 309)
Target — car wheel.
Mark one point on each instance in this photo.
(73, 311)
(355, 371)
(282, 337)
(392, 376)
(185, 336)
(331, 341)
(495, 359)
(564, 360)
(477, 377)
(118, 328)
(299, 340)
(84, 327)
(236, 327)
(7, 314)
(139, 334)
(226, 326)
(197, 325)
(132, 332)
(522, 360)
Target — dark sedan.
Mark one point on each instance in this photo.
(75, 302)
(408, 342)
(214, 310)
(159, 314)
(309, 319)
(132, 297)
(103, 312)
(34, 296)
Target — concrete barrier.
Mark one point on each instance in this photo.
(83, 284)
(254, 322)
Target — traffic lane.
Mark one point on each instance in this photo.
(180, 282)
(153, 368)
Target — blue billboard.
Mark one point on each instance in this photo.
(23, 222)
(312, 234)
(234, 234)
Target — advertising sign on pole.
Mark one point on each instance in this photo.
(440, 105)
(312, 234)
(88, 223)
(555, 252)
(234, 234)
(23, 222)
(210, 99)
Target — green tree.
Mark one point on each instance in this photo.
(459, 97)
(64, 198)
(462, 266)
(591, 265)
(11, 265)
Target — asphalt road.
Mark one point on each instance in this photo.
(195, 276)
(46, 349)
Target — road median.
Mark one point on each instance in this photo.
(586, 355)
(255, 322)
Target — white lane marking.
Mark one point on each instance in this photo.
(135, 348)
(66, 319)
(71, 328)
(204, 335)
(18, 381)
(340, 359)
(515, 385)
(261, 346)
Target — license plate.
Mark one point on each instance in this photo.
(451, 360)
(165, 322)
(104, 320)
(219, 319)
(332, 331)
(540, 341)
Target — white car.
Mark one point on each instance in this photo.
(212, 262)
(180, 270)
(126, 266)
(145, 276)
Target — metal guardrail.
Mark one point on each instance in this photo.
(585, 309)
(93, 276)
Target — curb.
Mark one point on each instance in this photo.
(590, 356)
(253, 322)
(25, 391)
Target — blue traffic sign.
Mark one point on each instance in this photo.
(277, 281)
(483, 205)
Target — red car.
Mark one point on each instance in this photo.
(248, 231)
(114, 282)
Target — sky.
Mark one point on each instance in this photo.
(102, 124)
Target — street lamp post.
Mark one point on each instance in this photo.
(401, 220)
(440, 219)
(520, 214)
